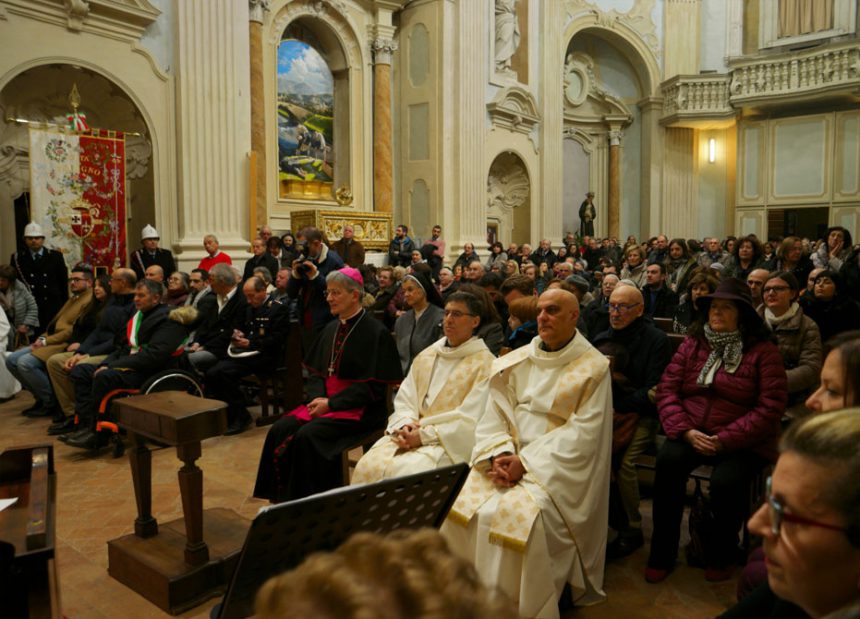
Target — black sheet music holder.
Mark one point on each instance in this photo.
(281, 536)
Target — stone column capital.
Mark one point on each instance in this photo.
(615, 137)
(383, 49)
(257, 10)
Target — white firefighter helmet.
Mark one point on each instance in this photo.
(149, 233)
(33, 230)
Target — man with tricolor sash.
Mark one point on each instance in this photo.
(156, 337)
(532, 514)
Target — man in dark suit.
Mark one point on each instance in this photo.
(44, 271)
(219, 320)
(151, 254)
(261, 258)
(156, 333)
(255, 347)
(660, 300)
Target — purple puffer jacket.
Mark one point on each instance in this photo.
(743, 409)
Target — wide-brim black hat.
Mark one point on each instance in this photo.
(731, 289)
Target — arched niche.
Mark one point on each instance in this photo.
(333, 36)
(509, 196)
(40, 93)
(605, 78)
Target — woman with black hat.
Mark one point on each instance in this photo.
(421, 325)
(720, 401)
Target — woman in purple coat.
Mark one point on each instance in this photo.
(720, 402)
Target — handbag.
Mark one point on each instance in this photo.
(623, 429)
(701, 527)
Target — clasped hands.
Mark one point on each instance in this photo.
(407, 437)
(703, 443)
(506, 470)
(239, 340)
(318, 406)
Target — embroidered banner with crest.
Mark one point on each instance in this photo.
(77, 194)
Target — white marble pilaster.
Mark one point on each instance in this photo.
(213, 124)
(734, 28)
(550, 214)
(471, 169)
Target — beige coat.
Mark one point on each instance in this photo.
(60, 328)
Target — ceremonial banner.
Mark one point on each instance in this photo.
(77, 194)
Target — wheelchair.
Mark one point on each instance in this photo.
(166, 380)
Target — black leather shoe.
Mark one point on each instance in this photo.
(86, 439)
(66, 426)
(625, 544)
(65, 437)
(36, 405)
(239, 425)
(42, 411)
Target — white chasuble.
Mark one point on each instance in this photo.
(440, 380)
(553, 409)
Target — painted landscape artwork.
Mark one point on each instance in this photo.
(305, 120)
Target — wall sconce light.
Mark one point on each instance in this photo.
(712, 150)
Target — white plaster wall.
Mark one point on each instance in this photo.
(712, 186)
(158, 38)
(712, 54)
(575, 179)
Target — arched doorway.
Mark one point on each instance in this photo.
(509, 199)
(41, 94)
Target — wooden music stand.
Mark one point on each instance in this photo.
(171, 565)
(281, 536)
(28, 573)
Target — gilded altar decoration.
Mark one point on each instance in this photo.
(373, 229)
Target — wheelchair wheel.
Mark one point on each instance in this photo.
(173, 380)
(118, 446)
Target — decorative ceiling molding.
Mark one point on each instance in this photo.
(515, 109)
(638, 19)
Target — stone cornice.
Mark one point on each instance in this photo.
(118, 19)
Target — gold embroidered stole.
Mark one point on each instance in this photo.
(517, 510)
(470, 371)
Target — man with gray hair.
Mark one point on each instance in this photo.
(350, 250)
(216, 327)
(255, 347)
(350, 366)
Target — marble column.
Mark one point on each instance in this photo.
(257, 14)
(383, 161)
(213, 126)
(614, 183)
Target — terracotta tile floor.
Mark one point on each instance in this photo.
(95, 503)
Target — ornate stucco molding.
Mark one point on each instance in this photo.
(508, 185)
(383, 50)
(638, 18)
(515, 109)
(257, 10)
(124, 19)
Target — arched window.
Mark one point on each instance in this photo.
(306, 95)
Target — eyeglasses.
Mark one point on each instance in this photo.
(333, 293)
(621, 307)
(456, 314)
(770, 289)
(77, 279)
(778, 515)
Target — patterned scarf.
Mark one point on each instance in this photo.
(726, 349)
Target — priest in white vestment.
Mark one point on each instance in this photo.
(532, 514)
(436, 408)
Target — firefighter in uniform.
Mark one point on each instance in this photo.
(150, 254)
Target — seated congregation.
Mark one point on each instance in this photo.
(555, 376)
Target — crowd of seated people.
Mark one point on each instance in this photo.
(505, 359)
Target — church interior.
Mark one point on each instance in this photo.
(490, 118)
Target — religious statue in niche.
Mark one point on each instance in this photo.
(507, 35)
(587, 215)
(305, 121)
